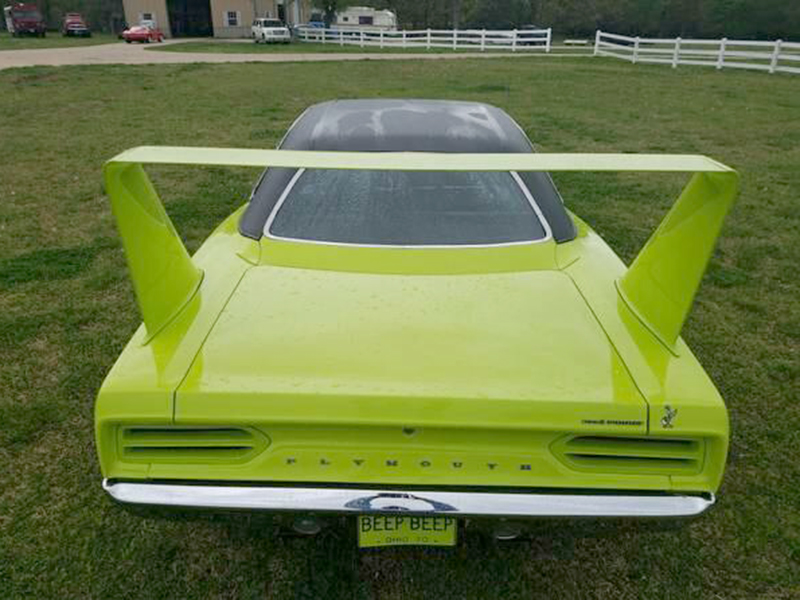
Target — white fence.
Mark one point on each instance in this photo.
(455, 39)
(777, 56)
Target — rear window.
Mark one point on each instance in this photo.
(406, 208)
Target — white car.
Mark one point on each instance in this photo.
(270, 30)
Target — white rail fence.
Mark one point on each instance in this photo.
(773, 57)
(522, 40)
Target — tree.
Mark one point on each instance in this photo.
(500, 14)
(329, 9)
(763, 19)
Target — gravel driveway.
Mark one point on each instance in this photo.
(139, 54)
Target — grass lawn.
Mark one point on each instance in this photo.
(67, 309)
(53, 40)
(301, 47)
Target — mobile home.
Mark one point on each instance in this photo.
(366, 18)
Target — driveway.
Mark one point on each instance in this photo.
(143, 54)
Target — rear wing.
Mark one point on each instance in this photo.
(659, 286)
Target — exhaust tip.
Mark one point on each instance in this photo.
(307, 525)
(505, 531)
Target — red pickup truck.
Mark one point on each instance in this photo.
(24, 19)
(74, 25)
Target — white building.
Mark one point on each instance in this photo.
(220, 18)
(367, 18)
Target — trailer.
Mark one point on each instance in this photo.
(366, 18)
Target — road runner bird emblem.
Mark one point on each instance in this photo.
(669, 417)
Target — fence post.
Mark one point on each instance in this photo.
(361, 34)
(776, 54)
(677, 53)
(324, 35)
(635, 50)
(549, 39)
(455, 39)
(483, 40)
(404, 38)
(381, 38)
(597, 42)
(721, 57)
(514, 42)
(428, 43)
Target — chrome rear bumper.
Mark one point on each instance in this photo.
(454, 503)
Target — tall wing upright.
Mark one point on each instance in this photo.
(164, 277)
(663, 279)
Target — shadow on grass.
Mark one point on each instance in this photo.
(50, 264)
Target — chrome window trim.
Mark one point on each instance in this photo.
(278, 147)
(366, 501)
(515, 176)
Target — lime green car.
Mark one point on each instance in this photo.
(405, 324)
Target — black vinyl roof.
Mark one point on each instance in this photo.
(405, 126)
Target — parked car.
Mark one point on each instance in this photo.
(145, 32)
(316, 20)
(527, 35)
(395, 332)
(24, 19)
(269, 31)
(74, 25)
(315, 32)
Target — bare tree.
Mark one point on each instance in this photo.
(456, 6)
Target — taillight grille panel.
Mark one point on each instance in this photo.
(190, 444)
(611, 454)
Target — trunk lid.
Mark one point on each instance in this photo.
(518, 350)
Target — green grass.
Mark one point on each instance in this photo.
(54, 39)
(299, 47)
(67, 309)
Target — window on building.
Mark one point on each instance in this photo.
(147, 17)
(365, 20)
(232, 18)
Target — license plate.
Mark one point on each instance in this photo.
(401, 530)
